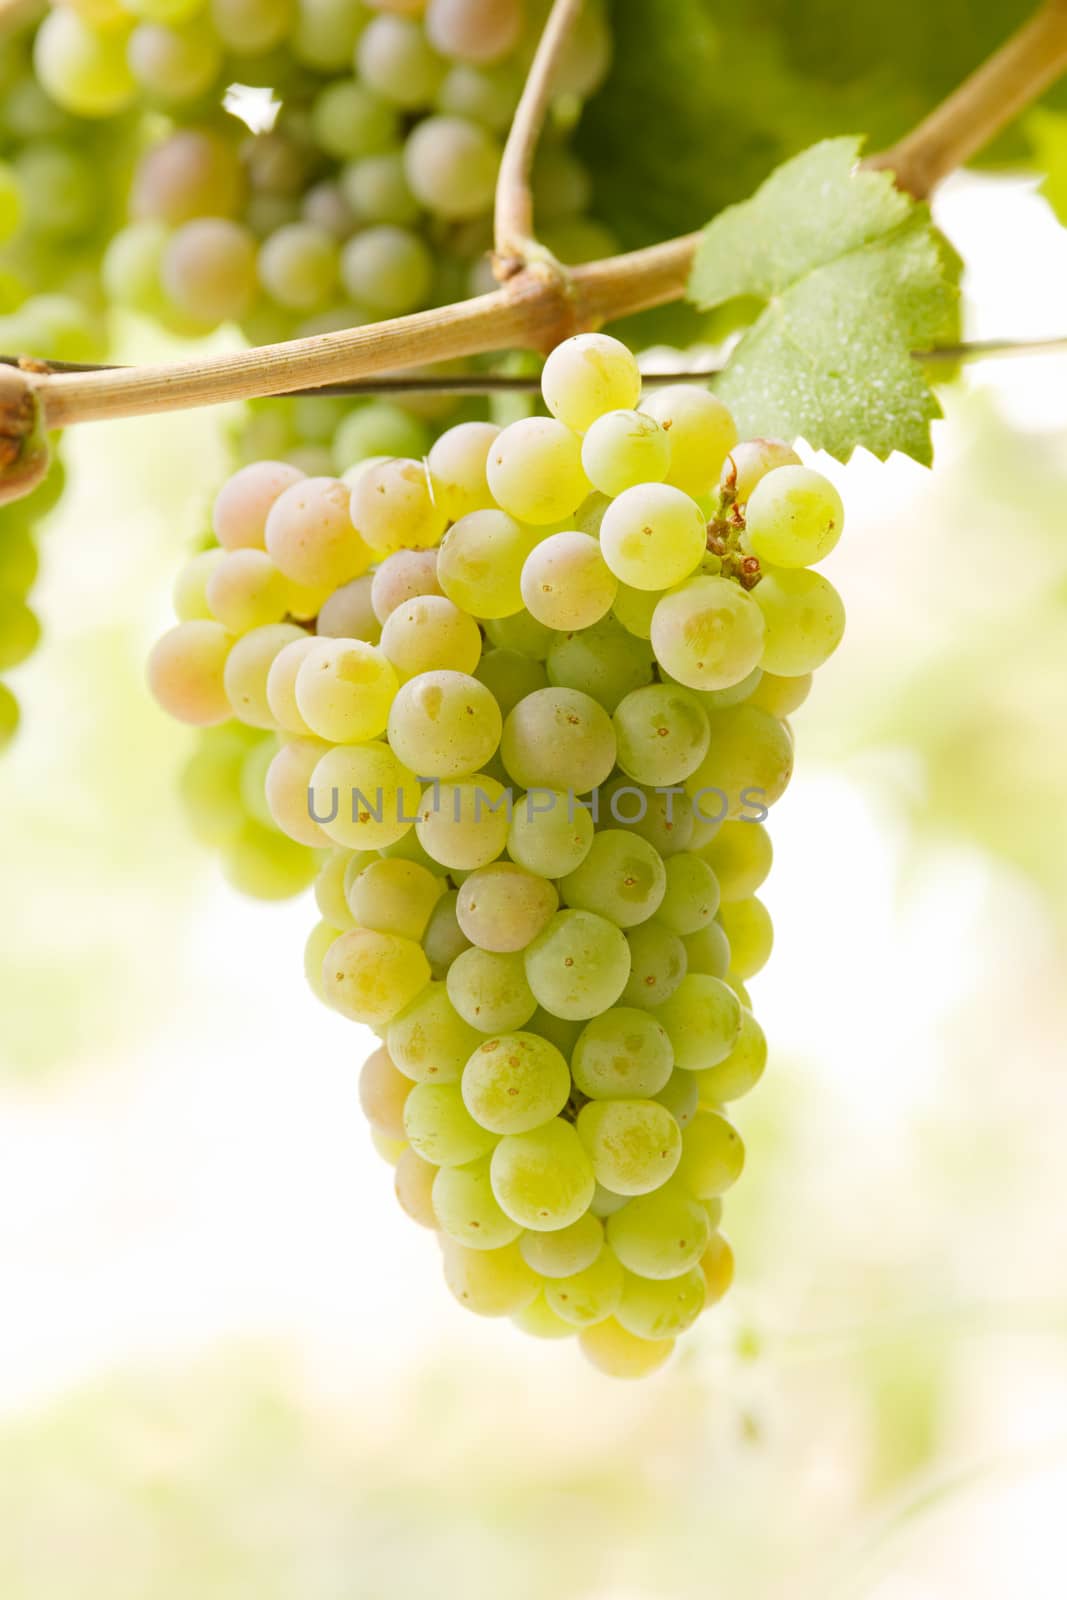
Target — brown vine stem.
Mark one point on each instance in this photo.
(514, 238)
(1021, 70)
(533, 309)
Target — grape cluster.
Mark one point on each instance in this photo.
(529, 701)
(20, 631)
(370, 194)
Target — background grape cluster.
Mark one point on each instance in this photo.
(519, 707)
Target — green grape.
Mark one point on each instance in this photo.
(394, 55)
(558, 739)
(734, 983)
(510, 677)
(564, 1251)
(780, 696)
(321, 937)
(430, 634)
(253, 782)
(297, 266)
(263, 863)
(490, 991)
(747, 925)
(623, 1054)
(383, 1093)
(720, 699)
(371, 977)
(83, 68)
(247, 668)
(740, 1071)
(604, 1204)
(588, 1296)
(11, 202)
(566, 583)
(692, 895)
(653, 536)
(247, 27)
(486, 95)
(467, 1210)
(363, 797)
(634, 1145)
(174, 64)
(209, 785)
(349, 613)
(349, 121)
(662, 1234)
(703, 1020)
(245, 590)
(193, 173)
(521, 633)
(749, 462)
(457, 463)
(804, 620)
(378, 428)
(429, 1040)
(344, 690)
(619, 1354)
(444, 724)
(286, 790)
(712, 1156)
(131, 266)
(55, 184)
(540, 1321)
(387, 269)
(491, 1283)
(708, 634)
(464, 825)
(444, 940)
(403, 576)
(413, 1183)
(208, 269)
(534, 470)
(662, 817)
(578, 966)
(281, 684)
(189, 594)
(441, 1129)
(717, 1266)
(480, 563)
(515, 1082)
(451, 166)
(543, 1179)
(376, 188)
(622, 877)
(479, 31)
(661, 1308)
(325, 33)
(708, 951)
(560, 1031)
(331, 886)
(657, 965)
(395, 896)
(794, 517)
(747, 768)
(634, 609)
(680, 1095)
(550, 833)
(310, 537)
(603, 661)
(502, 907)
(186, 666)
(662, 734)
(740, 855)
(623, 449)
(242, 505)
(588, 375)
(701, 431)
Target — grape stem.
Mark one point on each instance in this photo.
(1015, 75)
(516, 246)
(532, 308)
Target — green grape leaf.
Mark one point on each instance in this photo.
(854, 278)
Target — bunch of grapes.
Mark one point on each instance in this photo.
(529, 701)
(368, 196)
